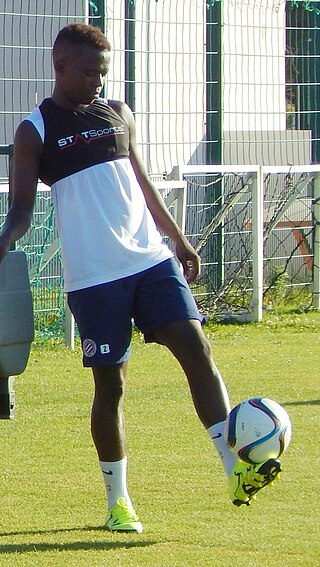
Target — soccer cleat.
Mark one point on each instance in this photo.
(246, 480)
(122, 518)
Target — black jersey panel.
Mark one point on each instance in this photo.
(76, 140)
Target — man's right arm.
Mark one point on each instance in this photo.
(27, 150)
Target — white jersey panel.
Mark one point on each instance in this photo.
(36, 118)
(106, 230)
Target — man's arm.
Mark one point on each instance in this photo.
(27, 149)
(162, 217)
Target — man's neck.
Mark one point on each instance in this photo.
(63, 102)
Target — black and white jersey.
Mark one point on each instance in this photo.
(105, 228)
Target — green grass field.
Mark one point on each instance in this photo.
(52, 495)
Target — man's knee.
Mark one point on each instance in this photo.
(109, 384)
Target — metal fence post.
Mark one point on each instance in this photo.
(69, 328)
(316, 243)
(130, 54)
(257, 244)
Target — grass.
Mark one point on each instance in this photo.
(52, 496)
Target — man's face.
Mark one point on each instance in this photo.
(82, 75)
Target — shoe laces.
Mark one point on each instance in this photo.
(125, 513)
(260, 479)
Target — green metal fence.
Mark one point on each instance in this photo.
(230, 82)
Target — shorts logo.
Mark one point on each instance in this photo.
(89, 348)
(104, 349)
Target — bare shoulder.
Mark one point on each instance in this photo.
(122, 109)
(117, 105)
(27, 135)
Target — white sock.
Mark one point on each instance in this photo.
(227, 458)
(115, 479)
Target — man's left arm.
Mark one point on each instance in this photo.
(162, 217)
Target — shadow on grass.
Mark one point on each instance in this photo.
(303, 403)
(74, 546)
(54, 531)
(69, 546)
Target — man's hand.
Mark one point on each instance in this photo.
(16, 225)
(189, 259)
(4, 247)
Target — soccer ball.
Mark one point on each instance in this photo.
(257, 429)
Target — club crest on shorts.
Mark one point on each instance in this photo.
(89, 348)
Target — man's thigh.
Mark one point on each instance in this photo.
(163, 297)
(103, 315)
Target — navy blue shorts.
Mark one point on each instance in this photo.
(104, 313)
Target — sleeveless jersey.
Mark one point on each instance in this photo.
(105, 228)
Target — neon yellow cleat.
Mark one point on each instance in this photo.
(122, 518)
(246, 480)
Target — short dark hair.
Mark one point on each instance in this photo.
(82, 35)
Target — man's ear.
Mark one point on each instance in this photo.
(59, 64)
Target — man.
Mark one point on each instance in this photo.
(116, 267)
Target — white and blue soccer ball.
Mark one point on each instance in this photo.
(258, 429)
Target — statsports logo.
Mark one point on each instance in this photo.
(89, 135)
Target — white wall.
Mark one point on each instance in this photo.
(254, 65)
(170, 76)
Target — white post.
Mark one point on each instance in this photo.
(69, 328)
(176, 198)
(316, 243)
(181, 205)
(257, 244)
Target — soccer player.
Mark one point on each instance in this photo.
(116, 267)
